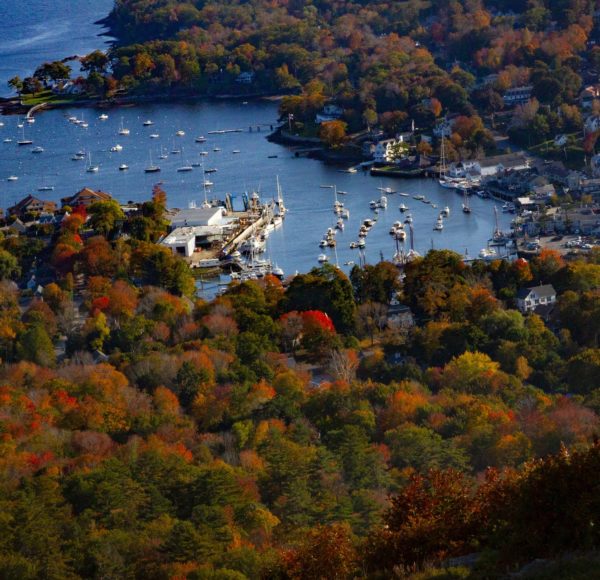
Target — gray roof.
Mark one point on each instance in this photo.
(544, 291)
(508, 160)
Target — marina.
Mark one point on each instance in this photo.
(291, 245)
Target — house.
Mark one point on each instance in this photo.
(31, 204)
(592, 124)
(85, 198)
(529, 299)
(68, 88)
(399, 316)
(588, 96)
(517, 95)
(245, 78)
(442, 129)
(330, 112)
(389, 150)
(490, 166)
(543, 191)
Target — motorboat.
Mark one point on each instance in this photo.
(203, 153)
(408, 220)
(361, 243)
(103, 117)
(7, 140)
(147, 123)
(208, 183)
(210, 170)
(445, 212)
(116, 148)
(123, 167)
(216, 149)
(46, 188)
(154, 136)
(12, 178)
(403, 208)
(30, 120)
(323, 258)
(236, 151)
(404, 194)
(419, 197)
(487, 254)
(323, 243)
(200, 139)
(180, 133)
(439, 225)
(185, 169)
(37, 149)
(383, 202)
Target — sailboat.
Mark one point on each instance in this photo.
(24, 141)
(163, 154)
(91, 168)
(465, 206)
(185, 168)
(498, 236)
(444, 180)
(151, 168)
(281, 209)
(122, 129)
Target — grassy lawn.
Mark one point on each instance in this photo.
(49, 97)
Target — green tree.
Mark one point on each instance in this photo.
(105, 217)
(35, 345)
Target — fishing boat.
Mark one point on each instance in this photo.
(151, 168)
(122, 129)
(90, 167)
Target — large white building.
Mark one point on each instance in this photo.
(386, 151)
(196, 228)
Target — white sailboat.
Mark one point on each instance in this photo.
(466, 206)
(91, 168)
(122, 129)
(151, 168)
(22, 141)
(281, 209)
(186, 167)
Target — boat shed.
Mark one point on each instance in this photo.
(200, 216)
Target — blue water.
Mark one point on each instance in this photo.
(35, 31)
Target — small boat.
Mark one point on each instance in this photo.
(235, 151)
(322, 258)
(203, 153)
(323, 243)
(72, 119)
(278, 272)
(200, 139)
(12, 178)
(404, 194)
(345, 214)
(175, 151)
(210, 170)
(180, 133)
(445, 212)
(163, 154)
(408, 220)
(84, 125)
(46, 188)
(116, 148)
(340, 225)
(342, 192)
(24, 141)
(103, 117)
(465, 206)
(361, 243)
(488, 254)
(403, 208)
(147, 123)
(37, 149)
(419, 197)
(271, 156)
(151, 168)
(185, 169)
(217, 149)
(439, 225)
(123, 167)
(122, 129)
(373, 204)
(154, 136)
(91, 168)
(8, 140)
(400, 235)
(30, 120)
(78, 157)
(208, 183)
(382, 202)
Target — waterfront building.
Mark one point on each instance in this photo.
(330, 112)
(31, 204)
(390, 150)
(197, 217)
(85, 198)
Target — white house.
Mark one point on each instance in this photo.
(386, 151)
(245, 78)
(528, 299)
(588, 96)
(592, 124)
(330, 112)
(490, 166)
(517, 95)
